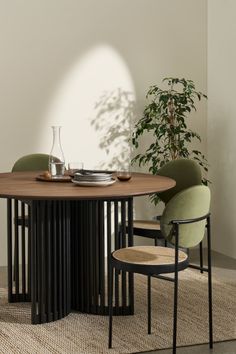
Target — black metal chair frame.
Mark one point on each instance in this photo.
(151, 270)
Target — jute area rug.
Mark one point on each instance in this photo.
(80, 333)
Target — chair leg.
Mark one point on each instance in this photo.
(209, 284)
(110, 306)
(175, 288)
(175, 311)
(201, 256)
(149, 303)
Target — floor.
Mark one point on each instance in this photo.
(222, 266)
(219, 348)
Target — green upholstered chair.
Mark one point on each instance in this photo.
(32, 162)
(183, 224)
(186, 173)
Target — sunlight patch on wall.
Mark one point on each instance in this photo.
(73, 106)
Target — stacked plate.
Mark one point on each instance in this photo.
(93, 179)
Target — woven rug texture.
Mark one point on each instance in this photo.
(88, 334)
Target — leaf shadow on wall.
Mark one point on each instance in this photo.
(113, 121)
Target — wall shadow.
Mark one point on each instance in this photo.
(113, 121)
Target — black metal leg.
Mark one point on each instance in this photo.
(175, 312)
(130, 244)
(117, 246)
(149, 303)
(201, 256)
(175, 288)
(209, 283)
(110, 297)
(123, 273)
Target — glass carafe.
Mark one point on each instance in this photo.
(56, 157)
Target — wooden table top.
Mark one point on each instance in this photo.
(23, 185)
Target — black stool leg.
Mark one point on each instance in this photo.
(201, 256)
(110, 297)
(175, 312)
(209, 283)
(149, 304)
(175, 288)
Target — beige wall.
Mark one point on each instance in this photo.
(58, 57)
(222, 122)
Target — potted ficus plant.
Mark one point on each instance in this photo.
(165, 120)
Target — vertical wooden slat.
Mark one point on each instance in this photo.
(68, 255)
(39, 262)
(64, 261)
(23, 260)
(28, 210)
(9, 248)
(94, 250)
(101, 255)
(117, 242)
(87, 258)
(78, 264)
(16, 250)
(48, 240)
(108, 243)
(43, 266)
(55, 263)
(59, 243)
(33, 265)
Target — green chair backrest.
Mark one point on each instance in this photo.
(190, 203)
(185, 172)
(33, 162)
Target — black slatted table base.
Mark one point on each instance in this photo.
(68, 245)
(94, 234)
(50, 260)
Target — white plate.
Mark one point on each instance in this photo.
(94, 175)
(94, 184)
(91, 179)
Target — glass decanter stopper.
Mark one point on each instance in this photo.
(56, 157)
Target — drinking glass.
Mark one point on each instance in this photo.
(74, 167)
(124, 172)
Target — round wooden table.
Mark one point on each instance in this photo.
(67, 233)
